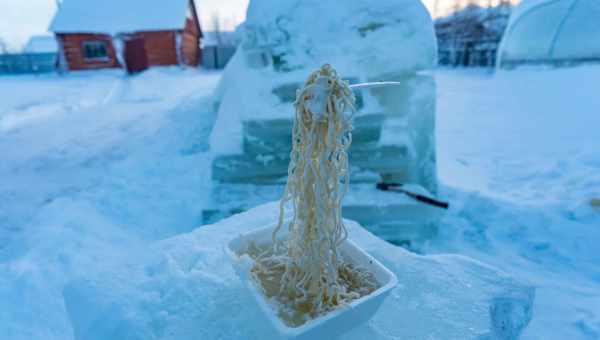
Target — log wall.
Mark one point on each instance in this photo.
(190, 49)
(161, 47)
(74, 55)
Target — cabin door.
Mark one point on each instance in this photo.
(136, 57)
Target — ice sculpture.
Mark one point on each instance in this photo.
(393, 138)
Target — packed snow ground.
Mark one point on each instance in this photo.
(519, 154)
(93, 166)
(96, 166)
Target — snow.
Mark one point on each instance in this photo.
(41, 44)
(86, 181)
(518, 154)
(116, 16)
(102, 173)
(552, 30)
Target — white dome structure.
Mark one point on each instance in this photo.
(553, 32)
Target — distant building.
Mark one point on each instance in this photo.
(135, 34)
(218, 48)
(222, 38)
(557, 32)
(41, 44)
(471, 36)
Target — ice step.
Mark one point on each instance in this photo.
(389, 215)
(286, 93)
(391, 159)
(275, 135)
(185, 288)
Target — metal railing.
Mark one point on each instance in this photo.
(217, 57)
(27, 63)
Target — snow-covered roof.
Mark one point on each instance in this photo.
(552, 30)
(116, 16)
(41, 44)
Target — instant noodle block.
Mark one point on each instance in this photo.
(327, 326)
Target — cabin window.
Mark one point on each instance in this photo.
(95, 50)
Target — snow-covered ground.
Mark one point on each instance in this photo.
(94, 167)
(519, 155)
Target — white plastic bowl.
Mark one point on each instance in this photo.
(330, 325)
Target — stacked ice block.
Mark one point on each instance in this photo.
(393, 137)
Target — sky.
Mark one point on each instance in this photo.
(19, 19)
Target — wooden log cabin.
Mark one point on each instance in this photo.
(133, 34)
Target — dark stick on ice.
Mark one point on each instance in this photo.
(421, 198)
